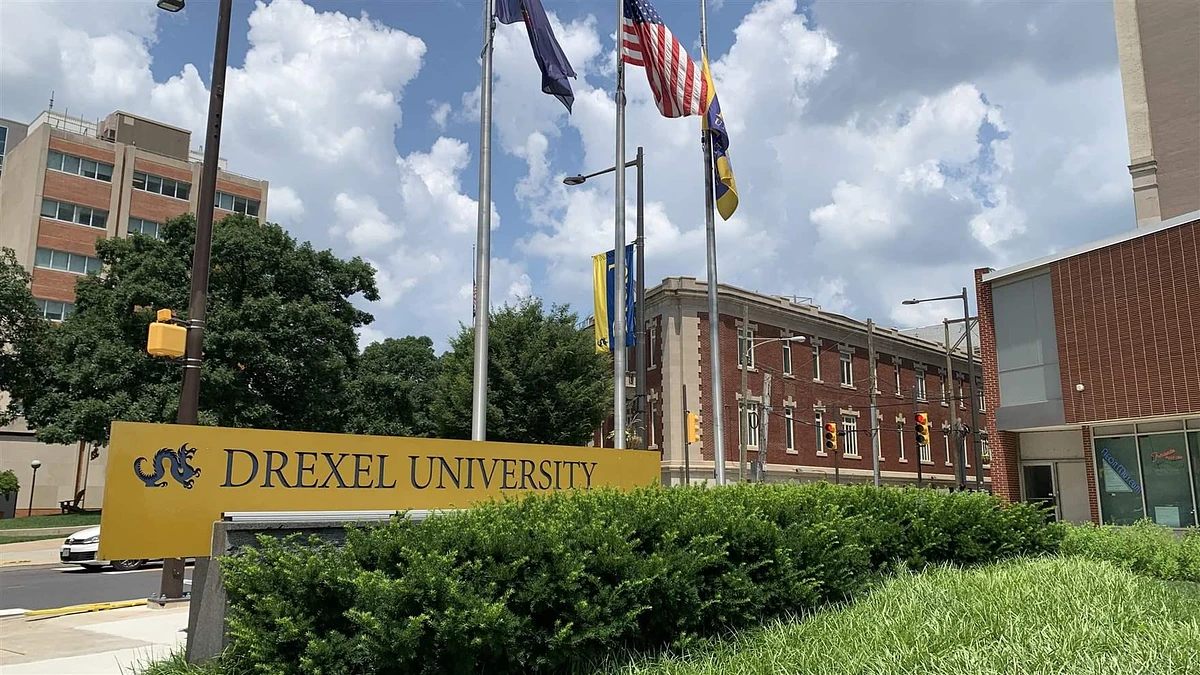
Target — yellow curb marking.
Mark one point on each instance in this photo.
(80, 609)
(14, 562)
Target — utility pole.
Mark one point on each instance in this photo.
(960, 470)
(916, 436)
(875, 440)
(744, 348)
(764, 441)
(687, 447)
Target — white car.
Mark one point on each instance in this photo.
(80, 549)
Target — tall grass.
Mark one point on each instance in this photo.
(1144, 548)
(1034, 617)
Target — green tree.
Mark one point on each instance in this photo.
(393, 389)
(21, 329)
(279, 347)
(546, 384)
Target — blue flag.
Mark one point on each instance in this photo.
(550, 57)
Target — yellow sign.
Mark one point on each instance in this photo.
(167, 484)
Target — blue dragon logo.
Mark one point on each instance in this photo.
(174, 462)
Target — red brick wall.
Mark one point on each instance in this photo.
(82, 150)
(65, 187)
(62, 236)
(154, 207)
(1090, 463)
(1004, 448)
(239, 189)
(1128, 324)
(806, 393)
(163, 171)
(53, 285)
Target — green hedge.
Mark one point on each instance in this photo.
(1144, 548)
(547, 583)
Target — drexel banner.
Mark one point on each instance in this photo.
(604, 289)
(166, 484)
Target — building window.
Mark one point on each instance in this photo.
(750, 423)
(1148, 476)
(787, 357)
(850, 436)
(847, 369)
(54, 310)
(816, 361)
(652, 442)
(962, 401)
(62, 261)
(926, 455)
(946, 441)
(3, 143)
(921, 393)
(986, 451)
(789, 414)
(73, 213)
(900, 437)
(819, 420)
(145, 227)
(228, 202)
(651, 352)
(896, 374)
(167, 187)
(79, 166)
(979, 395)
(945, 391)
(745, 347)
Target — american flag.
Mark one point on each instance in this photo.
(678, 84)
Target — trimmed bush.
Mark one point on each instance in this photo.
(546, 583)
(1144, 548)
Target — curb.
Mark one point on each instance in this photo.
(14, 562)
(50, 532)
(36, 614)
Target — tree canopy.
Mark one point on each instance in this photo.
(279, 349)
(393, 389)
(546, 384)
(21, 328)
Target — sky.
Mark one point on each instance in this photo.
(882, 150)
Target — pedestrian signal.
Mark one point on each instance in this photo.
(922, 429)
(831, 434)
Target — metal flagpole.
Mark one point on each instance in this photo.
(619, 350)
(714, 317)
(483, 242)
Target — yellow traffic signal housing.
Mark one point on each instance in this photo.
(166, 339)
(922, 429)
(831, 434)
(693, 427)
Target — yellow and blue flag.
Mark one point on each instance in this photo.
(603, 298)
(724, 184)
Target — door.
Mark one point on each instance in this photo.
(1038, 485)
(1072, 495)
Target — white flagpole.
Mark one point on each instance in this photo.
(483, 244)
(619, 349)
(714, 316)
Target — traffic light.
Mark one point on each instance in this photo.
(693, 427)
(922, 429)
(831, 434)
(166, 337)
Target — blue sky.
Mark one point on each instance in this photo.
(883, 150)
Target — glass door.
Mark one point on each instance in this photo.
(1038, 484)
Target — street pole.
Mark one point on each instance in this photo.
(620, 350)
(960, 443)
(35, 465)
(974, 435)
(744, 348)
(764, 440)
(171, 586)
(875, 440)
(483, 233)
(640, 309)
(687, 447)
(916, 436)
(714, 316)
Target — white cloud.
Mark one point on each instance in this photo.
(440, 114)
(284, 205)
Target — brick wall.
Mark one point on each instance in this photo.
(1089, 461)
(1128, 324)
(53, 285)
(73, 189)
(1003, 445)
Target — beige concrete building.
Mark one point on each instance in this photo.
(1158, 43)
(64, 183)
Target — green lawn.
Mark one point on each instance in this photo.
(18, 540)
(1035, 617)
(80, 520)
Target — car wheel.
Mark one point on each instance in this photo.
(127, 565)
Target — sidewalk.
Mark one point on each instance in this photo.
(43, 552)
(102, 643)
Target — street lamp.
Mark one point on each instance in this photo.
(189, 397)
(974, 434)
(744, 417)
(640, 303)
(35, 464)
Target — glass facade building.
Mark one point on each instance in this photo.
(1148, 470)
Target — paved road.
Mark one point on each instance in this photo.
(48, 586)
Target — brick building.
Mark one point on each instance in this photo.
(1092, 363)
(64, 183)
(822, 379)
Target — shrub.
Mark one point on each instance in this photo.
(545, 583)
(1144, 548)
(8, 483)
